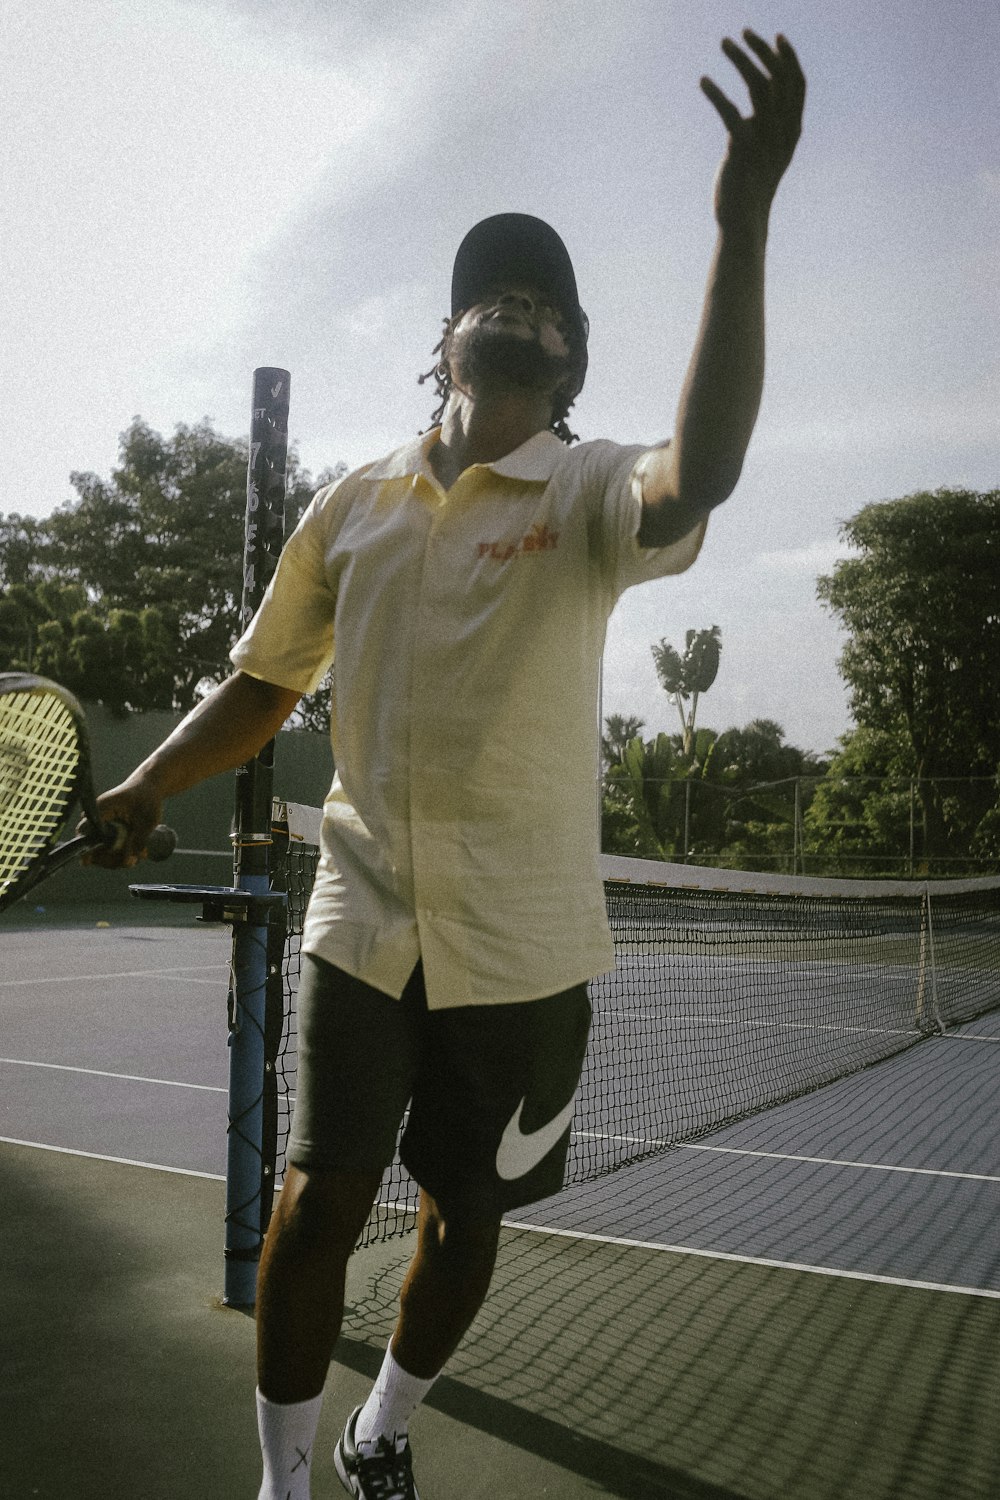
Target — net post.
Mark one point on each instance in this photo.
(912, 827)
(687, 817)
(928, 1010)
(929, 922)
(274, 1016)
(247, 1196)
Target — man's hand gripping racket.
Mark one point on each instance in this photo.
(45, 769)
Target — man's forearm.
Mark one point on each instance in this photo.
(226, 729)
(725, 379)
(722, 390)
(721, 395)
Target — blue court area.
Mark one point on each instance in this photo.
(799, 1305)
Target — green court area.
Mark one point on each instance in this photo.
(594, 1370)
(804, 1306)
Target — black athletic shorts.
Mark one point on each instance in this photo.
(490, 1088)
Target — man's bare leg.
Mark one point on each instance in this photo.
(444, 1289)
(300, 1289)
(445, 1286)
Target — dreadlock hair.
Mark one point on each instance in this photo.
(441, 375)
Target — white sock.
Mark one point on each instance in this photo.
(287, 1434)
(395, 1396)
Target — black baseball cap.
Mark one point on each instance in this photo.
(517, 245)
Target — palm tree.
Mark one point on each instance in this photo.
(684, 678)
(619, 730)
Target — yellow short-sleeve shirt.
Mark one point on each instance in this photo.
(468, 627)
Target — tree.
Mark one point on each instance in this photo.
(757, 754)
(120, 658)
(660, 803)
(684, 678)
(921, 605)
(985, 844)
(130, 593)
(619, 730)
(734, 798)
(640, 810)
(769, 783)
(20, 541)
(858, 820)
(313, 709)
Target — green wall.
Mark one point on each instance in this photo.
(202, 817)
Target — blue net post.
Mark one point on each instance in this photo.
(248, 1195)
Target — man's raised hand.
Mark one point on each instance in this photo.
(762, 144)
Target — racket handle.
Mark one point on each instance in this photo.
(159, 846)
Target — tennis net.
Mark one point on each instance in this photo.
(731, 992)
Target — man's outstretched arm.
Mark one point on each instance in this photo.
(722, 389)
(225, 729)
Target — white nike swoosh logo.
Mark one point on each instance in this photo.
(518, 1153)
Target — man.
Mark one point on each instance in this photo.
(465, 583)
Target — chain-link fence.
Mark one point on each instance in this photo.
(820, 825)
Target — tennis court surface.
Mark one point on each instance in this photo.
(799, 1299)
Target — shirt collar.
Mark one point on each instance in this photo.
(534, 460)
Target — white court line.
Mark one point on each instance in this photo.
(833, 1161)
(170, 1083)
(120, 974)
(756, 1260)
(576, 1234)
(118, 1161)
(816, 1161)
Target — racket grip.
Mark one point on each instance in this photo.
(160, 844)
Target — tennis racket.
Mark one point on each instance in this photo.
(44, 771)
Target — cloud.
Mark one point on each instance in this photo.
(815, 557)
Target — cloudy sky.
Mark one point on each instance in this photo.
(196, 187)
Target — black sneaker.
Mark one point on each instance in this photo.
(384, 1471)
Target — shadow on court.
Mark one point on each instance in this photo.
(593, 1370)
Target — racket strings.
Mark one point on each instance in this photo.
(39, 767)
